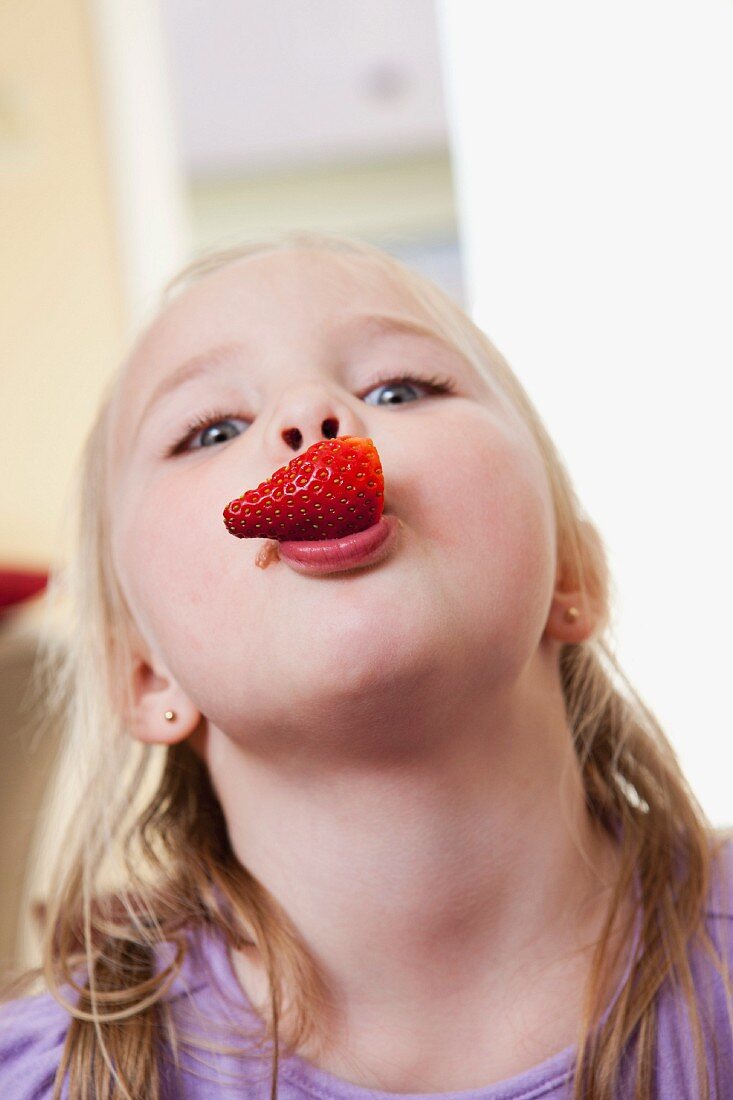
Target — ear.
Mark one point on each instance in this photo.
(591, 601)
(155, 693)
(564, 625)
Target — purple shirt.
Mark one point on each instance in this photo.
(32, 1031)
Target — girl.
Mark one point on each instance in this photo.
(397, 828)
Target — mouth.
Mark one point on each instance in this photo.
(350, 552)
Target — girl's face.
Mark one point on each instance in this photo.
(284, 341)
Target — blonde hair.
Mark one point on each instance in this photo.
(153, 808)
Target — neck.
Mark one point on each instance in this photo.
(445, 876)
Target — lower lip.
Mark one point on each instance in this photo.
(336, 555)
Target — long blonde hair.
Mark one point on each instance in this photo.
(152, 808)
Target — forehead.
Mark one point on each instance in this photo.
(300, 288)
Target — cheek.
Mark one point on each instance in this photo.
(180, 569)
(487, 487)
(491, 516)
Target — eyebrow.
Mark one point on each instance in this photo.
(364, 326)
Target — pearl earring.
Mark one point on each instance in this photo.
(169, 715)
(571, 615)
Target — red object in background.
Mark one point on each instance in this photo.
(17, 585)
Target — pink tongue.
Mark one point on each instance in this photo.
(337, 551)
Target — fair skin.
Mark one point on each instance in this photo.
(389, 745)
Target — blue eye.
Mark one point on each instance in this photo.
(220, 419)
(434, 385)
(212, 419)
(214, 431)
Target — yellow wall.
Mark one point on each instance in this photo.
(61, 309)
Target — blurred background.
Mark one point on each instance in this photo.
(563, 171)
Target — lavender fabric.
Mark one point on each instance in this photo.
(33, 1029)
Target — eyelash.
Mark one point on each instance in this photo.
(210, 416)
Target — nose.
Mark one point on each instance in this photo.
(309, 414)
(294, 437)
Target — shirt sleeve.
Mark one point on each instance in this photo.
(32, 1035)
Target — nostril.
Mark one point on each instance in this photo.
(293, 437)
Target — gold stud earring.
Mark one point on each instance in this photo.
(571, 615)
(169, 715)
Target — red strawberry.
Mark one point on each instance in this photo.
(335, 488)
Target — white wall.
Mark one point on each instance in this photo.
(593, 165)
